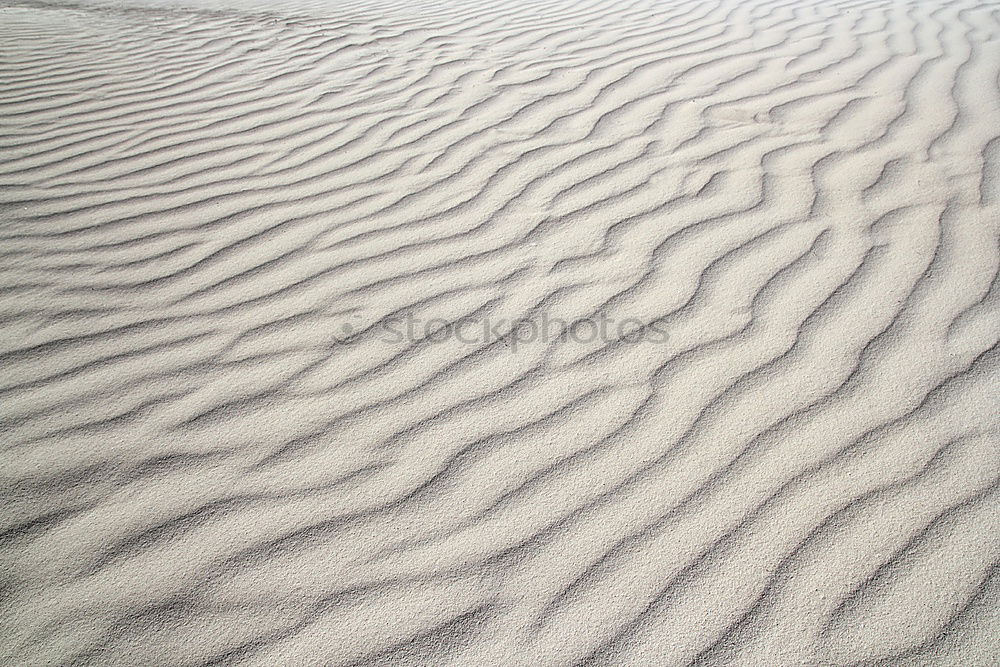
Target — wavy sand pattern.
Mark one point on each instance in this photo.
(213, 454)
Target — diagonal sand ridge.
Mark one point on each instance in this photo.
(532, 333)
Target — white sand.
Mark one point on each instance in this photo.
(216, 216)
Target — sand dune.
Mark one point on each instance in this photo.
(528, 333)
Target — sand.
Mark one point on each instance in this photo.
(476, 333)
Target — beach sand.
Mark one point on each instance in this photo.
(500, 333)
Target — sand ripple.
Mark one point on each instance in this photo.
(212, 219)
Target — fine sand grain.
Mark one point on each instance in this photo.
(529, 333)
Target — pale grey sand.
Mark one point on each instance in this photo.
(770, 437)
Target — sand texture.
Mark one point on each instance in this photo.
(500, 334)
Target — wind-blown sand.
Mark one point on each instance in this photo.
(220, 446)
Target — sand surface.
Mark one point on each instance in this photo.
(500, 333)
